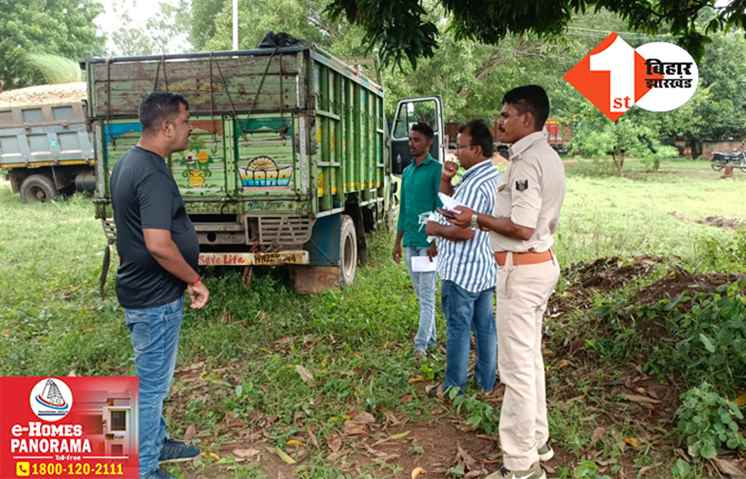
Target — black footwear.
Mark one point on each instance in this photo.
(177, 451)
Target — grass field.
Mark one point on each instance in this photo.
(238, 385)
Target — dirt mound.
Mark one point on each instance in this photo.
(610, 273)
(601, 275)
(680, 281)
(44, 95)
(721, 222)
(716, 221)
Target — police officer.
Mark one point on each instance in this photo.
(522, 233)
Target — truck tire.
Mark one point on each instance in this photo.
(347, 252)
(38, 188)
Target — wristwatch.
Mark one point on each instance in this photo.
(474, 223)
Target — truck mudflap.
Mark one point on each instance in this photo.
(278, 258)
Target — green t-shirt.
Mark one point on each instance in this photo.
(419, 194)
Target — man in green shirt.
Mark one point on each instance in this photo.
(420, 184)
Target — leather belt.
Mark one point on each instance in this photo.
(525, 258)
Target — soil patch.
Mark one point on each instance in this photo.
(601, 275)
(716, 221)
(609, 273)
(680, 281)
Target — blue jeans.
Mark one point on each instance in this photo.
(424, 288)
(155, 339)
(466, 312)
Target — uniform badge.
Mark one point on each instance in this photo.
(521, 185)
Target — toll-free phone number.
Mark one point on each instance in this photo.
(77, 469)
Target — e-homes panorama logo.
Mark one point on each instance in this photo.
(51, 399)
(655, 76)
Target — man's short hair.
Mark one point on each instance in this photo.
(159, 106)
(424, 129)
(480, 136)
(531, 98)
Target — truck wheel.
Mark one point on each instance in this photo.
(37, 188)
(347, 252)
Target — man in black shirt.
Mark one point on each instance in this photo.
(158, 252)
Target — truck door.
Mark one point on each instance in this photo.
(408, 112)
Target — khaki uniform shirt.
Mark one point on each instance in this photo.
(531, 195)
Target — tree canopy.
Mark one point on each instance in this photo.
(403, 30)
(59, 27)
(471, 77)
(167, 31)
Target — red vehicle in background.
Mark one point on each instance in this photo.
(558, 134)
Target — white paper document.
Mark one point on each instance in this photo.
(449, 203)
(423, 264)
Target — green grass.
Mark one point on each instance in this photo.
(355, 342)
(634, 215)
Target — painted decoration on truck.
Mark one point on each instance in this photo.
(265, 153)
(262, 171)
(199, 168)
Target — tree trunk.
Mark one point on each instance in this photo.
(618, 156)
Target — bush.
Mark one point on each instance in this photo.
(479, 414)
(687, 338)
(706, 421)
(708, 339)
(723, 254)
(652, 159)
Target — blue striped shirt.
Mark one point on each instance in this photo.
(471, 264)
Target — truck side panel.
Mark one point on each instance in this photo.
(348, 141)
(43, 135)
(273, 161)
(215, 84)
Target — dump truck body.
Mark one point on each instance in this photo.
(286, 164)
(44, 142)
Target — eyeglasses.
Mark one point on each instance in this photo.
(461, 147)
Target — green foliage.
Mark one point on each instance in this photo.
(203, 14)
(470, 77)
(588, 469)
(720, 254)
(706, 421)
(655, 153)
(633, 135)
(705, 335)
(160, 33)
(409, 33)
(58, 27)
(56, 69)
(682, 470)
(302, 19)
(53, 322)
(479, 414)
(716, 112)
(408, 25)
(708, 338)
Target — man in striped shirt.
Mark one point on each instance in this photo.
(466, 264)
(522, 229)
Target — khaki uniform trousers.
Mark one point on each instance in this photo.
(522, 295)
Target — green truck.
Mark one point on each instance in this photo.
(289, 162)
(45, 147)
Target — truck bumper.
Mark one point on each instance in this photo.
(254, 259)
